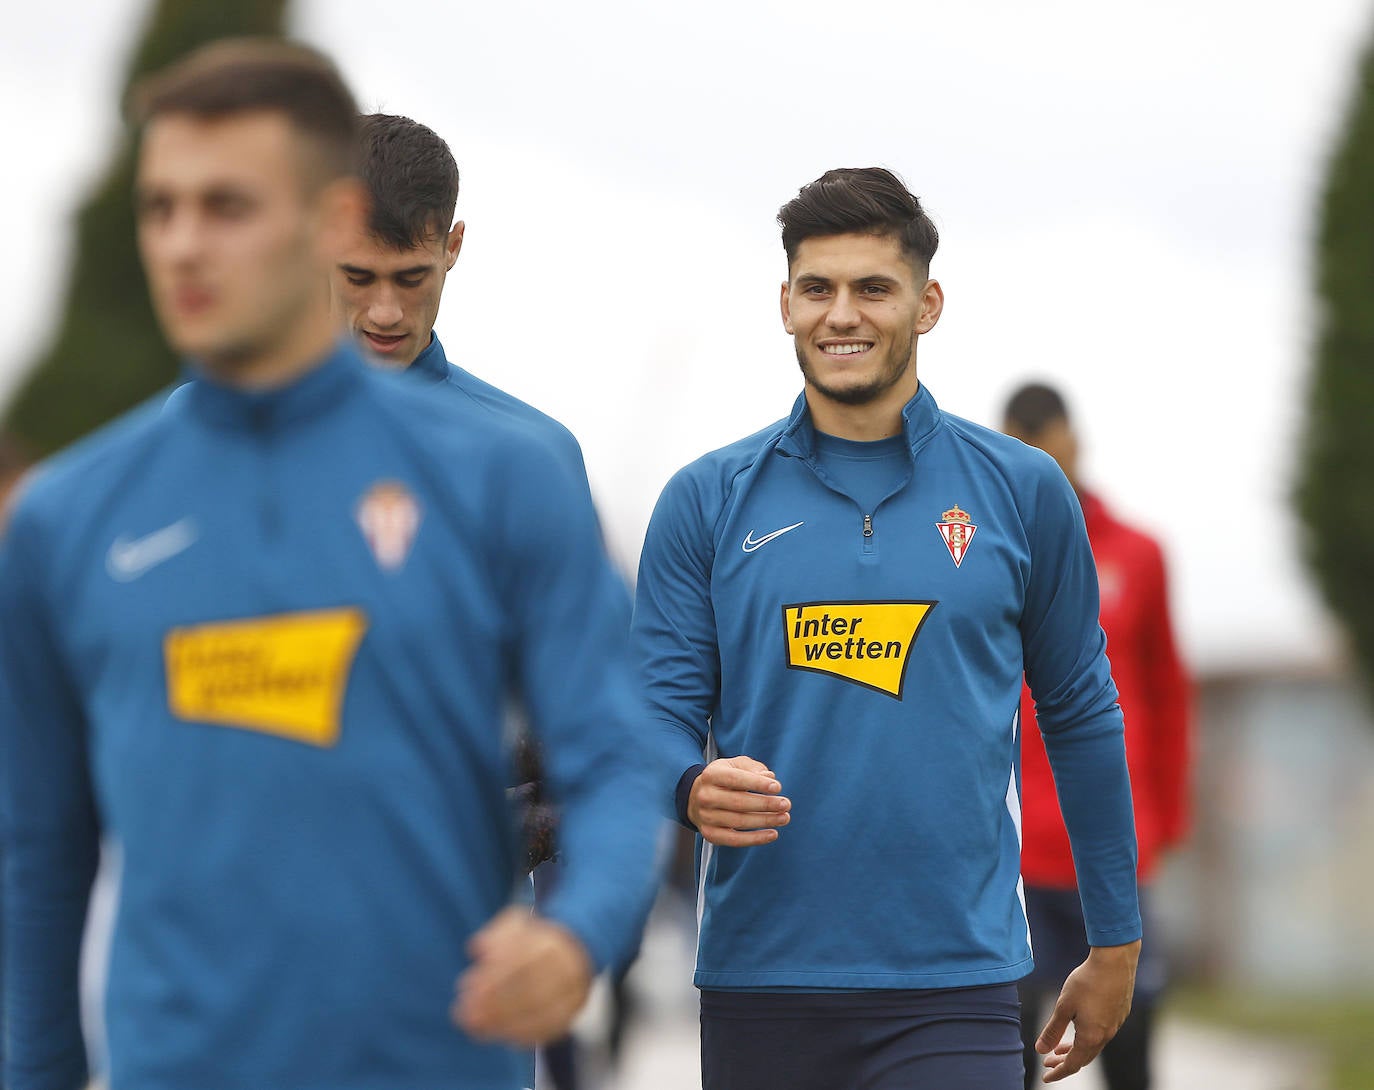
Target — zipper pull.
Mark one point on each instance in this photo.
(868, 526)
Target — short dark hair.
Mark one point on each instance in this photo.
(412, 178)
(241, 75)
(866, 200)
(1034, 407)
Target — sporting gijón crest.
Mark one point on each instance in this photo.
(389, 517)
(957, 529)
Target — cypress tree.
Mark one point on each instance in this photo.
(1335, 490)
(107, 353)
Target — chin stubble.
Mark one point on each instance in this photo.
(854, 395)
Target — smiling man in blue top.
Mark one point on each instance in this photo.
(262, 636)
(834, 616)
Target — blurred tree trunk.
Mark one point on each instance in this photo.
(1335, 490)
(107, 353)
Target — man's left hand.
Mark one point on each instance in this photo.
(528, 979)
(1096, 999)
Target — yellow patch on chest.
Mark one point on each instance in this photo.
(283, 675)
(868, 643)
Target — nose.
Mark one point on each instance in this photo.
(843, 314)
(179, 237)
(384, 310)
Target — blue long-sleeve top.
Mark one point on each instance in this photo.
(265, 641)
(433, 366)
(872, 657)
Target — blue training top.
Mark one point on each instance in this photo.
(873, 658)
(433, 365)
(265, 641)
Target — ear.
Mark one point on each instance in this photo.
(343, 206)
(453, 244)
(786, 305)
(932, 305)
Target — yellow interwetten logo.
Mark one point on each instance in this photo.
(868, 643)
(282, 675)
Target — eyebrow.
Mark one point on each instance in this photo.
(876, 278)
(354, 270)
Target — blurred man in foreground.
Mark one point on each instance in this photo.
(262, 636)
(1156, 702)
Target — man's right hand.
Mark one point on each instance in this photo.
(737, 802)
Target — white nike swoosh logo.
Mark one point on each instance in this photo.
(127, 560)
(751, 543)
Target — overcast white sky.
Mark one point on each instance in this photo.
(1125, 194)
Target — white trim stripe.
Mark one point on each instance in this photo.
(1014, 808)
(707, 850)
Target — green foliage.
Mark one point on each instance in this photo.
(1335, 493)
(107, 353)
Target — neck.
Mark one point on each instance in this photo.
(866, 423)
(297, 353)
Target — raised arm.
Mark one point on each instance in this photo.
(734, 801)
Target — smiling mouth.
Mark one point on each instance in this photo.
(846, 348)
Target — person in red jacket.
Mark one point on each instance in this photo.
(1156, 699)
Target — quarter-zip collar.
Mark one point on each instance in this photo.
(432, 363)
(324, 385)
(920, 419)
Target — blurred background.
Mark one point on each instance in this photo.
(1166, 210)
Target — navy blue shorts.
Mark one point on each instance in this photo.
(942, 1038)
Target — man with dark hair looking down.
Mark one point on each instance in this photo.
(387, 284)
(388, 280)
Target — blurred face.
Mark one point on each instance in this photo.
(389, 298)
(227, 227)
(855, 306)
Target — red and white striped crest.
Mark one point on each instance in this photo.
(389, 518)
(957, 530)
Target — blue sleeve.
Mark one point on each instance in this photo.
(570, 623)
(51, 835)
(673, 636)
(1080, 720)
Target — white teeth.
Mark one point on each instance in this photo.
(844, 349)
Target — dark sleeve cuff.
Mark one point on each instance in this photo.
(684, 792)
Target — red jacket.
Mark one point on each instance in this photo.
(1156, 702)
